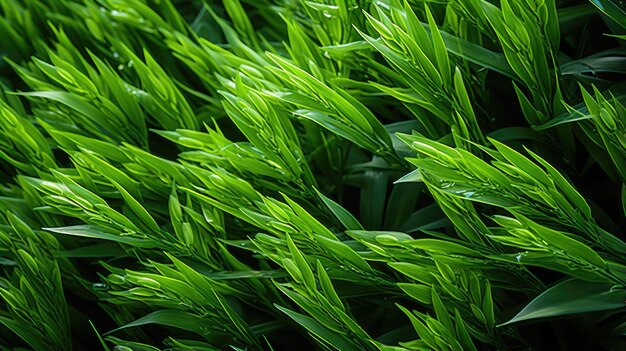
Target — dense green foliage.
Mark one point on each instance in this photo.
(312, 175)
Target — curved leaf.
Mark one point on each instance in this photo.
(572, 296)
(171, 318)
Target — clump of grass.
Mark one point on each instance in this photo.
(327, 175)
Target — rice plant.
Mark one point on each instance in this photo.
(345, 175)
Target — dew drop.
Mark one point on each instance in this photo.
(99, 286)
(447, 185)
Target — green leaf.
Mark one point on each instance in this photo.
(337, 341)
(91, 231)
(613, 9)
(104, 345)
(414, 176)
(419, 292)
(344, 252)
(171, 318)
(70, 100)
(572, 296)
(443, 247)
(478, 54)
(345, 217)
